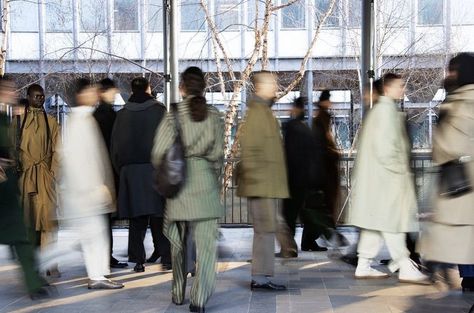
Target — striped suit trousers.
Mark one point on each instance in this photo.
(204, 233)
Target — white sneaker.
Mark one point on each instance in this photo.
(365, 271)
(409, 273)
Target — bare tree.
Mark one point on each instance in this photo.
(5, 32)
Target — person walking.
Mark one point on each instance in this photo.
(131, 145)
(263, 179)
(299, 149)
(449, 236)
(105, 116)
(196, 209)
(87, 195)
(383, 200)
(12, 227)
(37, 136)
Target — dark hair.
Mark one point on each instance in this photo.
(389, 78)
(325, 95)
(194, 84)
(23, 102)
(106, 84)
(140, 85)
(256, 76)
(378, 86)
(300, 102)
(34, 87)
(463, 65)
(81, 84)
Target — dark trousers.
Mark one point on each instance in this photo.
(317, 218)
(136, 236)
(111, 236)
(26, 257)
(292, 208)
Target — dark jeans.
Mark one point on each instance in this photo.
(136, 236)
(26, 257)
(316, 217)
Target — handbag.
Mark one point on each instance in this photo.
(454, 180)
(171, 173)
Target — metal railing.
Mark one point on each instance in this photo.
(236, 212)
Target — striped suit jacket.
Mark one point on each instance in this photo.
(204, 147)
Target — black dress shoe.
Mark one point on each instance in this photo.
(139, 268)
(194, 308)
(350, 259)
(267, 286)
(53, 273)
(114, 263)
(467, 284)
(314, 247)
(153, 258)
(287, 254)
(104, 284)
(166, 267)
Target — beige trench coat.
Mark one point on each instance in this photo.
(449, 237)
(383, 195)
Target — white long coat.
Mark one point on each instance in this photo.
(449, 237)
(87, 182)
(383, 195)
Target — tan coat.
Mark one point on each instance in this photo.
(39, 164)
(262, 170)
(383, 196)
(450, 236)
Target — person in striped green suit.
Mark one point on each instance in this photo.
(197, 207)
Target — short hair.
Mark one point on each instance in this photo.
(325, 95)
(389, 78)
(300, 102)
(34, 87)
(81, 84)
(378, 86)
(140, 85)
(256, 77)
(106, 84)
(463, 65)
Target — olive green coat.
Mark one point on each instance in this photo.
(262, 169)
(204, 150)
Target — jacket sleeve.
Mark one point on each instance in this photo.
(387, 140)
(114, 145)
(164, 138)
(216, 155)
(56, 144)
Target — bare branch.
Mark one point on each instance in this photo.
(284, 5)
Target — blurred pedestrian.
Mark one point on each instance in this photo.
(131, 145)
(88, 194)
(105, 116)
(299, 149)
(449, 237)
(383, 198)
(37, 136)
(263, 180)
(196, 209)
(12, 227)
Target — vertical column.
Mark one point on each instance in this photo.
(447, 27)
(75, 32)
(42, 31)
(365, 55)
(142, 18)
(173, 51)
(276, 33)
(244, 21)
(110, 23)
(309, 72)
(166, 75)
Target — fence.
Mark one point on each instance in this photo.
(236, 212)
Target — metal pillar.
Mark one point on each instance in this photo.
(166, 76)
(309, 72)
(173, 51)
(42, 32)
(367, 72)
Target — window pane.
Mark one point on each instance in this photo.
(256, 15)
(155, 15)
(59, 15)
(24, 16)
(463, 12)
(322, 6)
(293, 16)
(430, 12)
(355, 13)
(396, 13)
(227, 14)
(192, 15)
(126, 14)
(93, 15)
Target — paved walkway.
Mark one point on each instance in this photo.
(317, 283)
